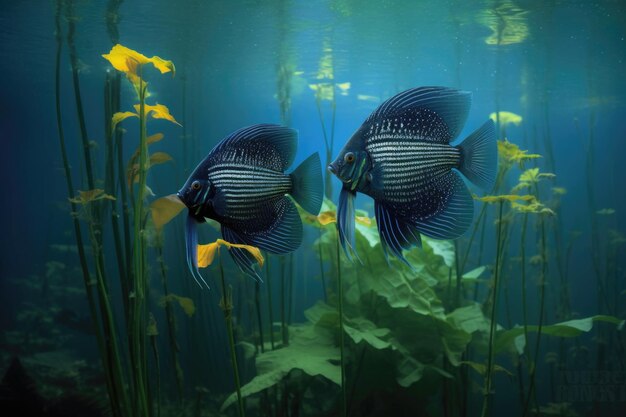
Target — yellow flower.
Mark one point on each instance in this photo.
(127, 60)
(206, 253)
(530, 177)
(511, 153)
(533, 207)
(506, 118)
(85, 197)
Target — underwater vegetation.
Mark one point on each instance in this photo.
(472, 315)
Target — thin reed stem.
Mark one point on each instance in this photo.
(492, 330)
(344, 402)
(226, 304)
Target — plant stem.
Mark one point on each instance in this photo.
(226, 304)
(268, 283)
(321, 256)
(492, 330)
(138, 323)
(344, 405)
(257, 301)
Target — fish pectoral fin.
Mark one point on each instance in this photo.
(396, 233)
(244, 259)
(283, 236)
(457, 213)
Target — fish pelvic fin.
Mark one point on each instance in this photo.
(346, 223)
(307, 184)
(396, 234)
(191, 240)
(479, 156)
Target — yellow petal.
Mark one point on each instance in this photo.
(327, 217)
(125, 59)
(119, 116)
(206, 254)
(158, 111)
(165, 209)
(163, 65)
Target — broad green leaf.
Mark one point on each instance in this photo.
(360, 329)
(443, 248)
(469, 319)
(309, 350)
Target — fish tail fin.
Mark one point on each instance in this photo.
(307, 185)
(479, 156)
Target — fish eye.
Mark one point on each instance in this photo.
(196, 185)
(349, 158)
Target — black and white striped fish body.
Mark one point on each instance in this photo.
(401, 156)
(242, 184)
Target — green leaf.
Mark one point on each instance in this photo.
(481, 368)
(443, 248)
(474, 273)
(309, 350)
(409, 371)
(360, 329)
(514, 338)
(470, 319)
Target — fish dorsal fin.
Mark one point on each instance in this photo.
(456, 213)
(272, 146)
(423, 109)
(396, 234)
(283, 235)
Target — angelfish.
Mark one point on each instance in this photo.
(401, 156)
(242, 184)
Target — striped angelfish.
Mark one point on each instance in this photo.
(242, 185)
(401, 156)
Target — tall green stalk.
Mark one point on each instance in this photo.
(270, 308)
(137, 325)
(344, 401)
(226, 304)
(492, 330)
(116, 398)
